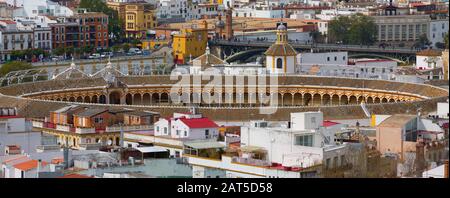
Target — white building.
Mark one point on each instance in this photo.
(302, 143)
(325, 58)
(10, 122)
(438, 29)
(409, 28)
(258, 12)
(333, 13)
(429, 59)
(41, 7)
(442, 109)
(187, 125)
(14, 38)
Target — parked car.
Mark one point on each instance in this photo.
(134, 51)
(146, 52)
(94, 56)
(107, 54)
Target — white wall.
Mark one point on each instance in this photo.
(436, 62)
(289, 64)
(337, 58)
(280, 145)
(307, 120)
(442, 109)
(14, 125)
(438, 29)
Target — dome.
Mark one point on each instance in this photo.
(220, 24)
(282, 27)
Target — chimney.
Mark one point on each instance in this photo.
(446, 169)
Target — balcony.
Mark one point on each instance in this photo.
(38, 124)
(85, 130)
(129, 128)
(250, 161)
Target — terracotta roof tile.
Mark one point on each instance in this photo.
(199, 123)
(28, 165)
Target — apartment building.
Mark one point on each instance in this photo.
(14, 38)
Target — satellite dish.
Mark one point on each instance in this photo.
(109, 142)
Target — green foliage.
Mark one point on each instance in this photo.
(114, 25)
(440, 45)
(422, 41)
(14, 66)
(126, 47)
(116, 48)
(315, 35)
(446, 40)
(356, 29)
(59, 51)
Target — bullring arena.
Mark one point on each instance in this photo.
(339, 98)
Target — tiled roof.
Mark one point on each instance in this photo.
(8, 21)
(398, 120)
(28, 165)
(281, 50)
(199, 123)
(207, 60)
(429, 52)
(327, 123)
(91, 112)
(74, 175)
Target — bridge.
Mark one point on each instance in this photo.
(226, 48)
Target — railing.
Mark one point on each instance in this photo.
(49, 125)
(250, 161)
(298, 44)
(63, 128)
(129, 128)
(85, 130)
(37, 124)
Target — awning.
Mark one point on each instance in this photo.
(204, 145)
(151, 149)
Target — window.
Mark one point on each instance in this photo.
(304, 140)
(185, 133)
(279, 63)
(178, 132)
(157, 129)
(98, 120)
(335, 58)
(328, 58)
(165, 130)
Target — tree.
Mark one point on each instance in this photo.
(17, 54)
(116, 48)
(422, 42)
(338, 29)
(446, 40)
(59, 51)
(14, 66)
(315, 35)
(114, 25)
(357, 29)
(126, 47)
(439, 45)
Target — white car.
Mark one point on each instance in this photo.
(94, 56)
